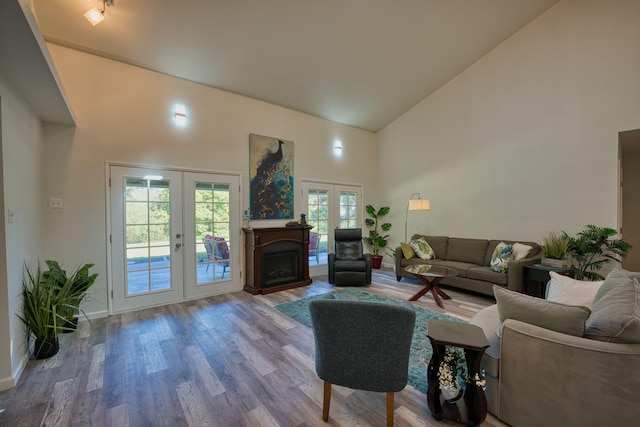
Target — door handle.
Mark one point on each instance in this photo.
(178, 246)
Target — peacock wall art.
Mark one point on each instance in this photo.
(271, 177)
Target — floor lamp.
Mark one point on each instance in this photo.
(415, 204)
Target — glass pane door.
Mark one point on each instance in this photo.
(211, 214)
(146, 237)
(318, 217)
(147, 214)
(212, 231)
(329, 206)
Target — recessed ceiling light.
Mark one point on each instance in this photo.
(94, 16)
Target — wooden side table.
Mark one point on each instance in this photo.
(537, 276)
(472, 340)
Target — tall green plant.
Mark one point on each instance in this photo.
(42, 310)
(376, 239)
(593, 248)
(71, 289)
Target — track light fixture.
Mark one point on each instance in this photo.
(95, 15)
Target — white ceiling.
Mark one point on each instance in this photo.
(358, 62)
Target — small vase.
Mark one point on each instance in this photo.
(46, 348)
(451, 395)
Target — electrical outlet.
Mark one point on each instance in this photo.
(55, 203)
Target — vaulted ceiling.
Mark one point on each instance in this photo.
(358, 62)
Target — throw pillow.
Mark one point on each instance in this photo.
(615, 313)
(407, 251)
(566, 319)
(521, 250)
(502, 254)
(422, 249)
(570, 291)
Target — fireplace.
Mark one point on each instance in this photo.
(276, 258)
(281, 263)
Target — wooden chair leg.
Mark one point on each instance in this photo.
(390, 409)
(327, 401)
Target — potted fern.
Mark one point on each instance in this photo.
(376, 239)
(593, 248)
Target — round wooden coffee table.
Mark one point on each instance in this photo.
(430, 276)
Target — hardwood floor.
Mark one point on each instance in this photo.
(230, 360)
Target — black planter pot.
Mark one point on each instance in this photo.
(46, 348)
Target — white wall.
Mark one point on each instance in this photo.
(22, 179)
(123, 114)
(525, 140)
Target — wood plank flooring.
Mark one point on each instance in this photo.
(230, 360)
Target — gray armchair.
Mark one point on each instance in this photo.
(362, 345)
(349, 265)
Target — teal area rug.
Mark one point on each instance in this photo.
(420, 345)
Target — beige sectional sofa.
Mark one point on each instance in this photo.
(471, 258)
(546, 376)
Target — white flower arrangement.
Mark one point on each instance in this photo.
(452, 369)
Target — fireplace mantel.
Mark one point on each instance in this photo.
(276, 258)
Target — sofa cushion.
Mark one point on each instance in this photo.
(350, 265)
(566, 319)
(502, 254)
(407, 250)
(467, 250)
(437, 243)
(570, 291)
(615, 313)
(487, 275)
(422, 249)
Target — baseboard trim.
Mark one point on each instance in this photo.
(10, 382)
(94, 315)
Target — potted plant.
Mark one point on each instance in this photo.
(42, 313)
(375, 239)
(71, 289)
(593, 248)
(555, 247)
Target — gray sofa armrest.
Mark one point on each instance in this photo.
(549, 378)
(515, 273)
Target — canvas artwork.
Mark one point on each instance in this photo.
(271, 177)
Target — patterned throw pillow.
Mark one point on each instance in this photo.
(407, 250)
(422, 249)
(502, 254)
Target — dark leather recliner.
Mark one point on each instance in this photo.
(349, 265)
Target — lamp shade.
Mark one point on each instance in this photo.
(419, 205)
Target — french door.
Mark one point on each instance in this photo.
(172, 236)
(329, 206)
